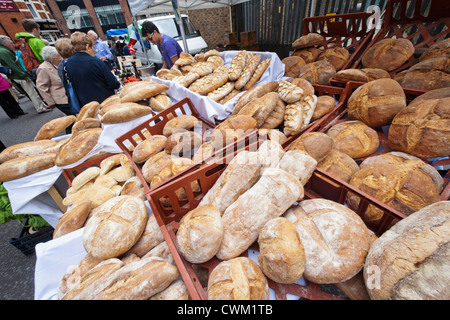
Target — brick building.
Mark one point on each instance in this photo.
(12, 13)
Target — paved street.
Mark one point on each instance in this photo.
(17, 269)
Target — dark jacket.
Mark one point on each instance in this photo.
(91, 78)
(9, 59)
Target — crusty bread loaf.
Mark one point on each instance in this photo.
(24, 166)
(89, 110)
(318, 72)
(255, 92)
(144, 90)
(430, 138)
(148, 148)
(435, 50)
(260, 108)
(203, 68)
(388, 54)
(316, 144)
(270, 153)
(361, 75)
(183, 143)
(339, 165)
(87, 123)
(199, 234)
(354, 138)
(276, 117)
(237, 65)
(410, 260)
(337, 56)
(432, 94)
(77, 146)
(289, 92)
(31, 148)
(112, 162)
(281, 253)
(121, 220)
(150, 238)
(237, 279)
(185, 59)
(211, 82)
(182, 122)
(232, 129)
(268, 198)
(429, 74)
(292, 66)
(160, 102)
(73, 219)
(53, 127)
(299, 164)
(139, 280)
(252, 63)
(229, 96)
(257, 74)
(335, 239)
(124, 112)
(85, 176)
(155, 164)
(377, 102)
(325, 104)
(176, 291)
(308, 40)
(132, 187)
(221, 92)
(239, 176)
(309, 54)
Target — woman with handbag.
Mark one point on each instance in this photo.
(7, 101)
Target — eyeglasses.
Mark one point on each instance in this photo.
(151, 36)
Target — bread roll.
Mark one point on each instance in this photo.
(268, 198)
(422, 129)
(139, 280)
(73, 219)
(254, 93)
(410, 260)
(185, 59)
(182, 122)
(77, 147)
(377, 102)
(237, 279)
(199, 234)
(31, 148)
(388, 54)
(429, 74)
(337, 56)
(289, 92)
(148, 148)
(354, 138)
(53, 127)
(239, 176)
(183, 143)
(335, 239)
(121, 221)
(281, 253)
(85, 176)
(24, 166)
(308, 40)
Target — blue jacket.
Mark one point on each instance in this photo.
(91, 78)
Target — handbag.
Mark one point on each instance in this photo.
(73, 99)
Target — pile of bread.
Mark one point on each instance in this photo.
(259, 198)
(421, 69)
(207, 75)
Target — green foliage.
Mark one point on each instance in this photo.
(6, 214)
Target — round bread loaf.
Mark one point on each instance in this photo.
(182, 143)
(316, 144)
(429, 74)
(404, 188)
(436, 50)
(422, 129)
(281, 253)
(337, 56)
(388, 54)
(308, 54)
(377, 102)
(339, 165)
(335, 239)
(53, 127)
(318, 72)
(354, 138)
(73, 219)
(200, 233)
(410, 260)
(306, 86)
(324, 105)
(432, 94)
(116, 226)
(308, 40)
(237, 279)
(292, 66)
(148, 148)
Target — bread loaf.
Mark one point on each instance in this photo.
(254, 93)
(435, 50)
(199, 234)
(176, 291)
(89, 110)
(143, 91)
(155, 164)
(85, 176)
(316, 144)
(139, 280)
(270, 153)
(202, 68)
(132, 187)
(221, 92)
(292, 66)
(318, 72)
(339, 165)
(289, 92)
(182, 122)
(308, 40)
(337, 56)
(185, 59)
(237, 279)
(150, 238)
(309, 54)
(214, 81)
(73, 219)
(232, 129)
(252, 63)
(183, 143)
(125, 112)
(239, 176)
(31, 148)
(121, 220)
(324, 105)
(377, 102)
(281, 253)
(422, 129)
(361, 75)
(335, 239)
(354, 138)
(276, 117)
(53, 127)
(299, 164)
(410, 260)
(160, 102)
(237, 65)
(268, 198)
(87, 123)
(24, 166)
(77, 146)
(388, 54)
(429, 74)
(257, 74)
(260, 108)
(148, 148)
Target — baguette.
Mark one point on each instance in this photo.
(249, 70)
(31, 148)
(53, 127)
(237, 65)
(24, 166)
(259, 71)
(255, 92)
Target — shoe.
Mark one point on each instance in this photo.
(45, 110)
(22, 114)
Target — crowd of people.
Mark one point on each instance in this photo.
(70, 74)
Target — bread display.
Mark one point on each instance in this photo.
(422, 129)
(281, 253)
(335, 239)
(376, 103)
(388, 54)
(237, 279)
(53, 127)
(410, 260)
(354, 138)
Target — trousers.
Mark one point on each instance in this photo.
(31, 91)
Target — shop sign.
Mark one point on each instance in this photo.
(8, 5)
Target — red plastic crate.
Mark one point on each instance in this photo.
(415, 21)
(348, 30)
(320, 185)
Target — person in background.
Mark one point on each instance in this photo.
(168, 47)
(7, 101)
(49, 83)
(91, 78)
(33, 33)
(101, 49)
(115, 52)
(9, 59)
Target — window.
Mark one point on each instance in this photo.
(32, 9)
(168, 27)
(110, 15)
(77, 19)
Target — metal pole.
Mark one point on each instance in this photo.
(180, 23)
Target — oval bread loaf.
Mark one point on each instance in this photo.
(31, 148)
(77, 147)
(24, 166)
(73, 219)
(53, 127)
